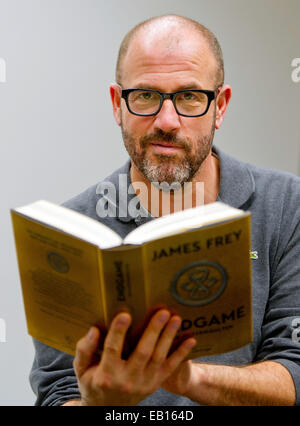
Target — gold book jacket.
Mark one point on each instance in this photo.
(203, 275)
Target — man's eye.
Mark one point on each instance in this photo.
(146, 96)
(188, 96)
(193, 98)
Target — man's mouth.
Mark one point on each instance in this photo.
(165, 147)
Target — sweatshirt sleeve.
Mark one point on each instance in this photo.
(281, 326)
(52, 376)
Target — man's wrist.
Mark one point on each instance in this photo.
(197, 382)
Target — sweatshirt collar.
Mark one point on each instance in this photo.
(236, 181)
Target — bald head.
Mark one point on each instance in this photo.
(168, 32)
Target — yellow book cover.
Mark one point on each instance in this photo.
(76, 272)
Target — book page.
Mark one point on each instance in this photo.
(182, 221)
(72, 222)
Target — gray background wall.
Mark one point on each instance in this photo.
(57, 133)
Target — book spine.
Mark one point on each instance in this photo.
(124, 286)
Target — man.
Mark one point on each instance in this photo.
(169, 139)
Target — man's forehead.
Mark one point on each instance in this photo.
(167, 38)
(162, 53)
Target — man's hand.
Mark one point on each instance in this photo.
(114, 381)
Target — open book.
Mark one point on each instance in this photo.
(76, 272)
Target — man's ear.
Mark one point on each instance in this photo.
(115, 95)
(223, 99)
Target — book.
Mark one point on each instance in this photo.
(76, 272)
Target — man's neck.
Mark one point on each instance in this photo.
(203, 189)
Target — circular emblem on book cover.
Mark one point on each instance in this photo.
(58, 262)
(199, 283)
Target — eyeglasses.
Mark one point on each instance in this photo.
(188, 103)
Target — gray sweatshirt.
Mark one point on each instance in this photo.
(273, 198)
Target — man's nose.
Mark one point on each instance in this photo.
(167, 119)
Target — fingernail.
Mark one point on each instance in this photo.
(91, 334)
(163, 317)
(123, 320)
(190, 343)
(175, 323)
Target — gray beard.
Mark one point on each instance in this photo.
(168, 169)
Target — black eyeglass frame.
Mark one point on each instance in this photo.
(211, 95)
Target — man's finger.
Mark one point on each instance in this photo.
(114, 341)
(85, 351)
(179, 355)
(146, 345)
(165, 342)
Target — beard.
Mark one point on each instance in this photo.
(168, 168)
